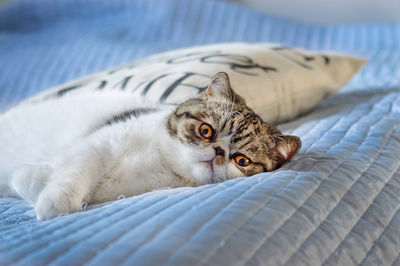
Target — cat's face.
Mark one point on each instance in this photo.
(219, 137)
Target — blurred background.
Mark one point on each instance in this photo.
(330, 12)
(44, 43)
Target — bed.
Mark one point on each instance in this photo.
(336, 203)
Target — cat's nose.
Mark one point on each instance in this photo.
(219, 151)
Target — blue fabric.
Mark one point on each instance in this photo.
(44, 43)
(337, 203)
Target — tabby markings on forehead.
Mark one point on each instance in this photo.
(187, 114)
(251, 140)
(238, 137)
(187, 110)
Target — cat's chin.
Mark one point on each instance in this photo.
(203, 172)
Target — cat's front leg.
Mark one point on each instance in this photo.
(71, 182)
(30, 179)
(59, 198)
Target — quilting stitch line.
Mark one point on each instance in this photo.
(282, 189)
(181, 217)
(379, 237)
(305, 240)
(262, 243)
(155, 233)
(128, 214)
(60, 225)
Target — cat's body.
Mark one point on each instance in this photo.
(34, 135)
(128, 148)
(96, 147)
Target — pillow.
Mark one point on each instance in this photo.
(278, 82)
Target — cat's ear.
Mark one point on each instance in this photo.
(286, 147)
(220, 87)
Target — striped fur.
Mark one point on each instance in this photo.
(237, 128)
(205, 140)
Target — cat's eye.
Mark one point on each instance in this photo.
(241, 160)
(206, 131)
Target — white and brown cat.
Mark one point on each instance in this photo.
(95, 147)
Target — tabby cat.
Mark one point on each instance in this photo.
(96, 147)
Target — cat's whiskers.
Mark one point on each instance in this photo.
(239, 113)
(220, 173)
(229, 113)
(232, 106)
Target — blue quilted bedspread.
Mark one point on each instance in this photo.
(337, 203)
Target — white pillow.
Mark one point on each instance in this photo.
(278, 82)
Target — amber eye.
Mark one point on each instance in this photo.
(241, 160)
(206, 131)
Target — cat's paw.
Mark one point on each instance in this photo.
(30, 179)
(54, 202)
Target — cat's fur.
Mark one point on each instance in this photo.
(93, 148)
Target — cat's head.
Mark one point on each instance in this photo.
(219, 137)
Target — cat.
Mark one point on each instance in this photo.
(92, 148)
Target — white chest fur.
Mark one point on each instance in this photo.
(135, 159)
